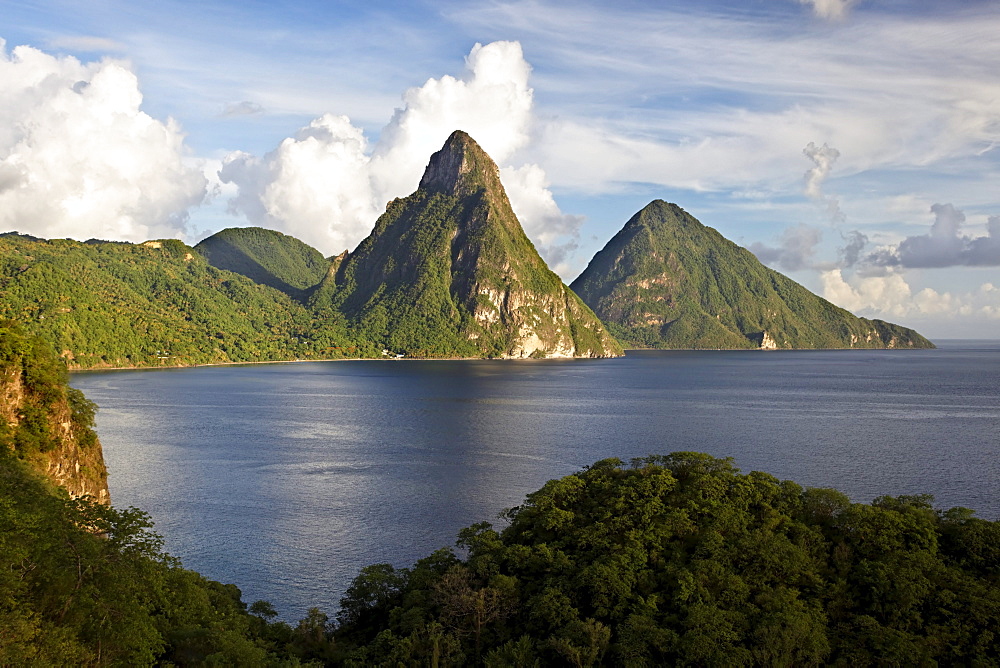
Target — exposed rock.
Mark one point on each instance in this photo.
(38, 422)
(449, 271)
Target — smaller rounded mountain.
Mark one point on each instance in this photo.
(668, 281)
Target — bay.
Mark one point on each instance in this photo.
(286, 479)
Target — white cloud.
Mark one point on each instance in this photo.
(892, 296)
(316, 186)
(822, 158)
(492, 103)
(830, 9)
(884, 295)
(553, 232)
(326, 187)
(897, 91)
(78, 158)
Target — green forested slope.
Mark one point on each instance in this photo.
(267, 257)
(83, 583)
(158, 303)
(682, 560)
(449, 271)
(44, 422)
(667, 281)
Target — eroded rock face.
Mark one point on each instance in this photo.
(449, 271)
(40, 425)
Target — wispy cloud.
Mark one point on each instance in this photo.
(822, 158)
(890, 92)
(850, 253)
(795, 251)
(244, 108)
(86, 44)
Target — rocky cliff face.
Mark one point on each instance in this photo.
(667, 281)
(449, 271)
(45, 422)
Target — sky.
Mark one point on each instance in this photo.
(853, 145)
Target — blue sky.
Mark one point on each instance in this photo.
(852, 145)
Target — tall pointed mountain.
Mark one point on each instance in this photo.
(667, 281)
(449, 271)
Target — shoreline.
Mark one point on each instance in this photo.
(515, 359)
(344, 359)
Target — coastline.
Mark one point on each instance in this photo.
(948, 343)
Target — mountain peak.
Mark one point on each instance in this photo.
(448, 271)
(461, 167)
(668, 281)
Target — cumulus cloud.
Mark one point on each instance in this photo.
(795, 250)
(944, 245)
(892, 296)
(78, 158)
(554, 233)
(315, 186)
(830, 9)
(822, 158)
(343, 184)
(492, 102)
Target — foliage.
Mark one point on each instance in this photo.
(36, 382)
(86, 584)
(683, 560)
(82, 583)
(667, 281)
(267, 257)
(104, 304)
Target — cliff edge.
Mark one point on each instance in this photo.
(45, 422)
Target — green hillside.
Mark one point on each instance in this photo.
(667, 281)
(449, 271)
(681, 560)
(109, 304)
(81, 582)
(266, 257)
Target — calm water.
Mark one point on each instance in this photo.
(286, 479)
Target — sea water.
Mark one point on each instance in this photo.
(286, 479)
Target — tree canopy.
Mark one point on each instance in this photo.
(683, 560)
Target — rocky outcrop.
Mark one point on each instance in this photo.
(46, 423)
(448, 271)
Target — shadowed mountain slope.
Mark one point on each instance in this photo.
(268, 257)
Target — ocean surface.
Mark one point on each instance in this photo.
(286, 479)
